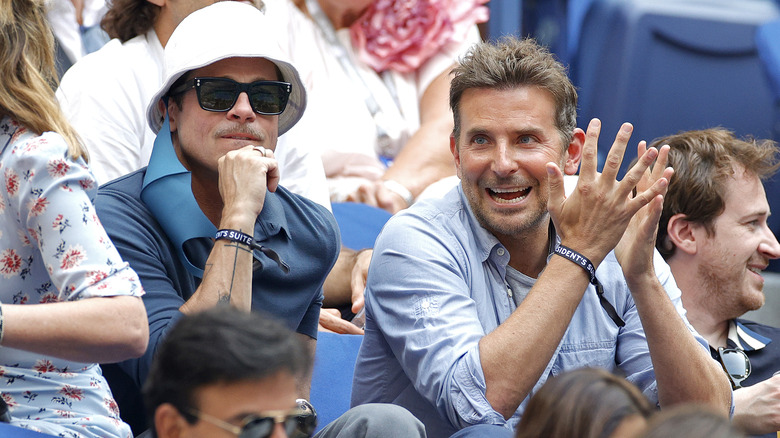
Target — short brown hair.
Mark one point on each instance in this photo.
(511, 63)
(702, 162)
(126, 19)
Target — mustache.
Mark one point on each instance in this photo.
(243, 130)
(510, 181)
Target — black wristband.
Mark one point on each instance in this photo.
(586, 264)
(579, 259)
(246, 239)
(235, 236)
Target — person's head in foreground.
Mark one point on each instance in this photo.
(585, 403)
(223, 372)
(690, 421)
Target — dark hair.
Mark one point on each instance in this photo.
(583, 403)
(126, 19)
(703, 161)
(219, 345)
(511, 63)
(690, 421)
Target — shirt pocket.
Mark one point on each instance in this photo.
(599, 354)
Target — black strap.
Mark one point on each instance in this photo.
(586, 264)
(246, 239)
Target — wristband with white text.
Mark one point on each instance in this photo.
(246, 239)
(586, 264)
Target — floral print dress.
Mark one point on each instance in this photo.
(53, 248)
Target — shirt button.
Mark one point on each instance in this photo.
(500, 251)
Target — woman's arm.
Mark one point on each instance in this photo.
(425, 158)
(104, 329)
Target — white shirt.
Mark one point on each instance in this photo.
(62, 18)
(105, 96)
(344, 127)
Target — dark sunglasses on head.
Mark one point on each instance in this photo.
(736, 364)
(220, 94)
(262, 426)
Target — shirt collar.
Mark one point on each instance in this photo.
(486, 241)
(167, 191)
(744, 338)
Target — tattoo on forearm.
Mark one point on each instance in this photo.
(224, 297)
(233, 274)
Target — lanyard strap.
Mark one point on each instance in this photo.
(583, 262)
(323, 22)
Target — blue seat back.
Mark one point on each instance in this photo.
(768, 46)
(331, 381)
(359, 224)
(673, 65)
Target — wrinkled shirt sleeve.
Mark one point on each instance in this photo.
(633, 355)
(429, 318)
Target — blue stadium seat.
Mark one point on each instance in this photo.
(331, 381)
(768, 45)
(359, 224)
(673, 65)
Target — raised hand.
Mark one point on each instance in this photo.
(635, 249)
(244, 176)
(593, 219)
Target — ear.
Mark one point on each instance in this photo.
(455, 154)
(574, 152)
(173, 112)
(682, 233)
(168, 422)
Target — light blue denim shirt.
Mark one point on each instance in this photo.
(437, 285)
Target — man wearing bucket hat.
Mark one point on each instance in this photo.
(104, 96)
(207, 221)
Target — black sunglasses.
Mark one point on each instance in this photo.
(220, 94)
(736, 364)
(262, 426)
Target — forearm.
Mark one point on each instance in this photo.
(515, 355)
(337, 287)
(683, 369)
(425, 158)
(227, 276)
(757, 407)
(92, 330)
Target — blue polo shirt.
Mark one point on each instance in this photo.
(154, 221)
(755, 340)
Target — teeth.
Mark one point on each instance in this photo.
(509, 190)
(501, 200)
(508, 201)
(756, 270)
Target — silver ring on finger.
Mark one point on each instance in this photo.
(259, 149)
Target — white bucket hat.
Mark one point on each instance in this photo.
(227, 29)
